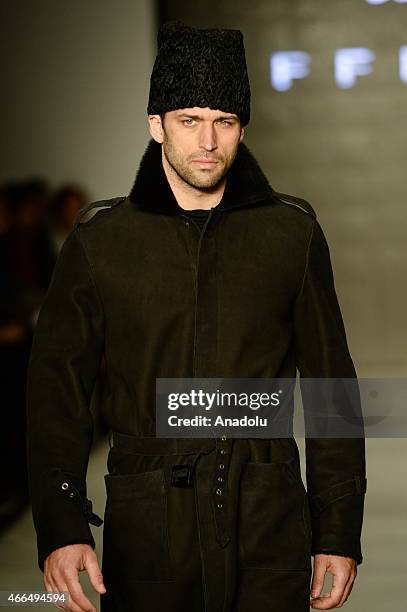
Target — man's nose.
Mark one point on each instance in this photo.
(207, 136)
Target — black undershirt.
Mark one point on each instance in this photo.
(199, 215)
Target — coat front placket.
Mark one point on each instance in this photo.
(216, 474)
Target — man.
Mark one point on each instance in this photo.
(204, 270)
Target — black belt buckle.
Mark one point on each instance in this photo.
(181, 475)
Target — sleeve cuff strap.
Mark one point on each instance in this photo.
(353, 486)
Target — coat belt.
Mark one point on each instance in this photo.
(161, 446)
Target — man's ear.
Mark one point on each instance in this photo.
(241, 134)
(156, 128)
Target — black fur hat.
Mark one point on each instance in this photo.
(200, 67)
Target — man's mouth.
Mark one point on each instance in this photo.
(205, 161)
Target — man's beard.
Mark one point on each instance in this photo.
(205, 180)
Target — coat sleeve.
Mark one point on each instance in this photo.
(335, 467)
(64, 362)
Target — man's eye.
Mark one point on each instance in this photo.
(188, 121)
(226, 122)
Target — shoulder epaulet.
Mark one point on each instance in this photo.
(96, 205)
(297, 202)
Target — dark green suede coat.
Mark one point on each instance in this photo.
(251, 296)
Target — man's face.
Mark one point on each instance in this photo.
(200, 144)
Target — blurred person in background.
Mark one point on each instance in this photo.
(33, 225)
(64, 206)
(33, 257)
(26, 264)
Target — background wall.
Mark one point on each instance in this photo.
(75, 79)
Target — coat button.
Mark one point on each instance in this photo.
(223, 437)
(186, 223)
(64, 486)
(220, 506)
(218, 492)
(221, 466)
(222, 451)
(220, 479)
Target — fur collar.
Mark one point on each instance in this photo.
(246, 184)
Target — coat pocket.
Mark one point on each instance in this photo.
(274, 518)
(136, 527)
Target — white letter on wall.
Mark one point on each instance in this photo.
(403, 63)
(383, 1)
(285, 66)
(351, 63)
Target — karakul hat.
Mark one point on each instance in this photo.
(199, 67)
